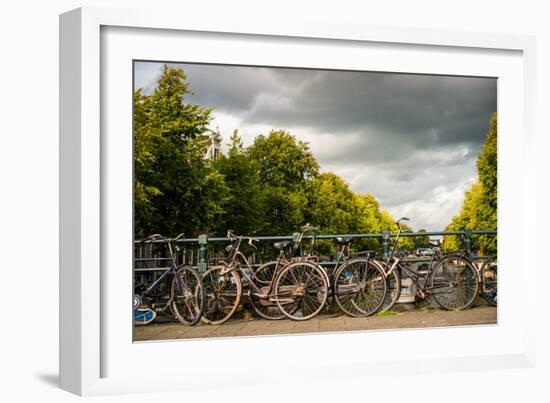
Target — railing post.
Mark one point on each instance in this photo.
(203, 245)
(385, 243)
(295, 238)
(468, 236)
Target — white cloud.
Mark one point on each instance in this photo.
(433, 213)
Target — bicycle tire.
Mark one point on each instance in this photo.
(489, 286)
(188, 305)
(222, 295)
(264, 308)
(359, 287)
(264, 274)
(301, 290)
(454, 283)
(393, 290)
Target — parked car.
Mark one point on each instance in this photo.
(424, 252)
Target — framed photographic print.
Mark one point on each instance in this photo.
(236, 189)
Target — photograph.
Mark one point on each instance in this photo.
(270, 200)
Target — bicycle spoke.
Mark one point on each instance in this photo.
(454, 284)
(222, 293)
(360, 288)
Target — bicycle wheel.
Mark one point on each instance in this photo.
(223, 290)
(454, 283)
(187, 294)
(393, 291)
(359, 287)
(489, 281)
(264, 274)
(301, 290)
(264, 307)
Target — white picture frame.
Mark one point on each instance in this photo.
(96, 43)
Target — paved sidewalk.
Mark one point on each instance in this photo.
(479, 315)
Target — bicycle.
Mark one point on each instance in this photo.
(358, 285)
(289, 251)
(450, 279)
(187, 296)
(486, 274)
(488, 280)
(486, 271)
(223, 285)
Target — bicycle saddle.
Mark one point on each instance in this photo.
(343, 241)
(281, 245)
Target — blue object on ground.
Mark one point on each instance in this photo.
(144, 316)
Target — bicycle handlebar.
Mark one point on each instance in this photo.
(309, 228)
(398, 222)
(157, 237)
(250, 240)
(151, 238)
(231, 235)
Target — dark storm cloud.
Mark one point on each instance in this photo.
(439, 109)
(411, 140)
(419, 110)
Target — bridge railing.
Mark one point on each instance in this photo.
(199, 251)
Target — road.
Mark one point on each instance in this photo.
(246, 325)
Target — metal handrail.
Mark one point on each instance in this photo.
(332, 236)
(385, 236)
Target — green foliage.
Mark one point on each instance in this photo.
(176, 189)
(332, 205)
(336, 209)
(479, 209)
(387, 313)
(245, 196)
(285, 167)
(283, 161)
(487, 166)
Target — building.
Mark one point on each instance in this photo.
(214, 144)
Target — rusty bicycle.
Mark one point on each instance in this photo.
(186, 296)
(223, 283)
(450, 279)
(356, 284)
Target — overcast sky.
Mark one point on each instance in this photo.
(410, 140)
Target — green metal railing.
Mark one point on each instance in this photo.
(203, 240)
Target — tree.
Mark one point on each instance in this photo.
(144, 191)
(285, 166)
(479, 209)
(332, 205)
(244, 208)
(487, 172)
(282, 160)
(176, 189)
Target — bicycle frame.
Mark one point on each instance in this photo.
(235, 264)
(342, 257)
(168, 272)
(238, 257)
(414, 276)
